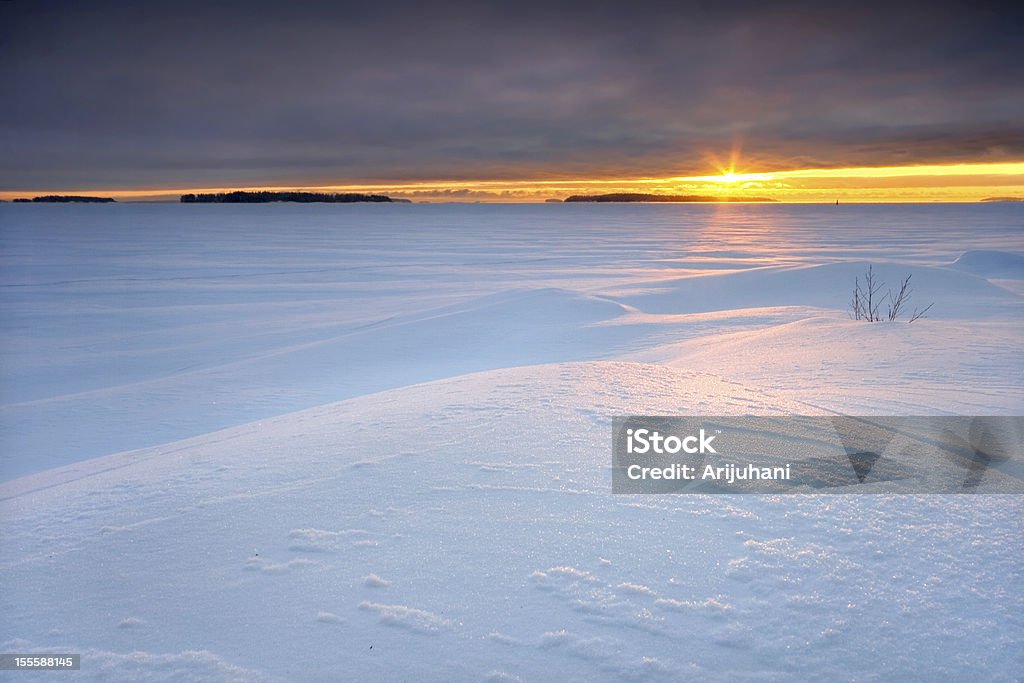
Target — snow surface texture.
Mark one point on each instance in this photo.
(463, 528)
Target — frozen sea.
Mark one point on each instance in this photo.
(371, 442)
(127, 326)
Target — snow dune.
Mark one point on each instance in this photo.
(969, 339)
(465, 526)
(369, 442)
(828, 286)
(991, 263)
(931, 366)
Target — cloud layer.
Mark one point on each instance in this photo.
(194, 94)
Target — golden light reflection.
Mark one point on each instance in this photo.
(911, 183)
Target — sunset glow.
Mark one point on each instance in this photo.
(914, 183)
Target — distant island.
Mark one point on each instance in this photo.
(63, 198)
(264, 197)
(640, 197)
(1002, 199)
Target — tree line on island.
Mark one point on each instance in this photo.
(66, 198)
(263, 197)
(242, 197)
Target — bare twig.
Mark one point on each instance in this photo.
(869, 294)
(917, 315)
(900, 300)
(856, 308)
(865, 302)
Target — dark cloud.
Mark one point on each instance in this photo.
(230, 93)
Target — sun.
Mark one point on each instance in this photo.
(729, 177)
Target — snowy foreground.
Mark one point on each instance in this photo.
(448, 516)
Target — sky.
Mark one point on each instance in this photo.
(513, 100)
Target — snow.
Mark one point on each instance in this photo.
(374, 443)
(822, 286)
(931, 366)
(990, 263)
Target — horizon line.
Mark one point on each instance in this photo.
(954, 183)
